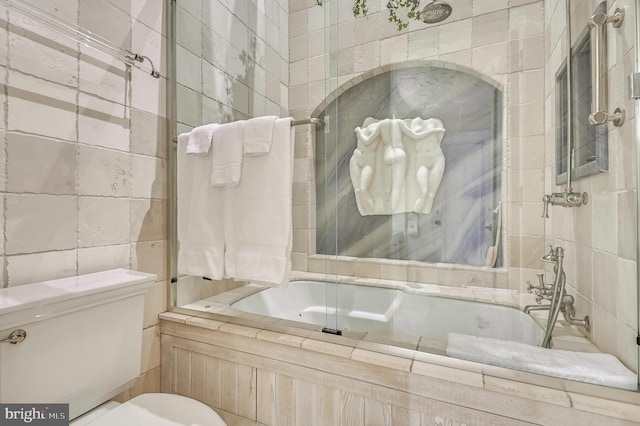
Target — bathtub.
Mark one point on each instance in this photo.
(389, 311)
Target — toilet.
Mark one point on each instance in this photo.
(78, 340)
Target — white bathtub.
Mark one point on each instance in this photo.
(359, 308)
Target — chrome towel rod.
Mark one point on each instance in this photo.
(310, 120)
(82, 35)
(302, 122)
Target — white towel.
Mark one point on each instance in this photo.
(258, 135)
(200, 216)
(226, 149)
(200, 139)
(598, 368)
(258, 229)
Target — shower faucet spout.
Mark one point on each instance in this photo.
(527, 309)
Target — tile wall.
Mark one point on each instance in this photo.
(232, 60)
(520, 44)
(83, 153)
(503, 40)
(600, 237)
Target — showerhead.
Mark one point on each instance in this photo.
(436, 11)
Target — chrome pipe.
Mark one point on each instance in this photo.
(558, 291)
(569, 99)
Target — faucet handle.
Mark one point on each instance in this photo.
(546, 199)
(530, 287)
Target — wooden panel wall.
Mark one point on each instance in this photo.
(250, 381)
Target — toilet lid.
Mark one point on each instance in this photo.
(160, 409)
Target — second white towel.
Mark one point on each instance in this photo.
(258, 220)
(227, 154)
(258, 135)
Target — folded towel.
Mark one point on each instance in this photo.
(226, 150)
(598, 368)
(200, 216)
(200, 139)
(258, 135)
(258, 227)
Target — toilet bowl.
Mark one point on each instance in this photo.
(57, 336)
(153, 409)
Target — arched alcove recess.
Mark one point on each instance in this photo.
(459, 227)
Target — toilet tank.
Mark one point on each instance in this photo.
(83, 342)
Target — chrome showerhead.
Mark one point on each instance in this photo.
(436, 11)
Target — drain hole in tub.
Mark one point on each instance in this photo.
(207, 306)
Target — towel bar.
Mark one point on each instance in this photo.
(310, 120)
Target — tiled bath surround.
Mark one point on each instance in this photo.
(520, 44)
(83, 153)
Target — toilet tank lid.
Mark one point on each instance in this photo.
(58, 291)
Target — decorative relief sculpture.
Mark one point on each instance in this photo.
(397, 166)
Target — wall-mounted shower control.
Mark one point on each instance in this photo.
(564, 199)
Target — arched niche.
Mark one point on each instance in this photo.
(461, 225)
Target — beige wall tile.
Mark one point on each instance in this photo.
(96, 259)
(101, 221)
(42, 52)
(151, 257)
(527, 20)
(489, 6)
(155, 302)
(526, 53)
(148, 220)
(103, 123)
(423, 44)
(605, 229)
(102, 75)
(149, 134)
(53, 105)
(151, 177)
(29, 219)
(455, 36)
(490, 28)
(40, 165)
(51, 265)
(152, 43)
(149, 94)
(103, 172)
(605, 281)
(491, 60)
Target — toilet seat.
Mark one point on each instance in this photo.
(160, 409)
